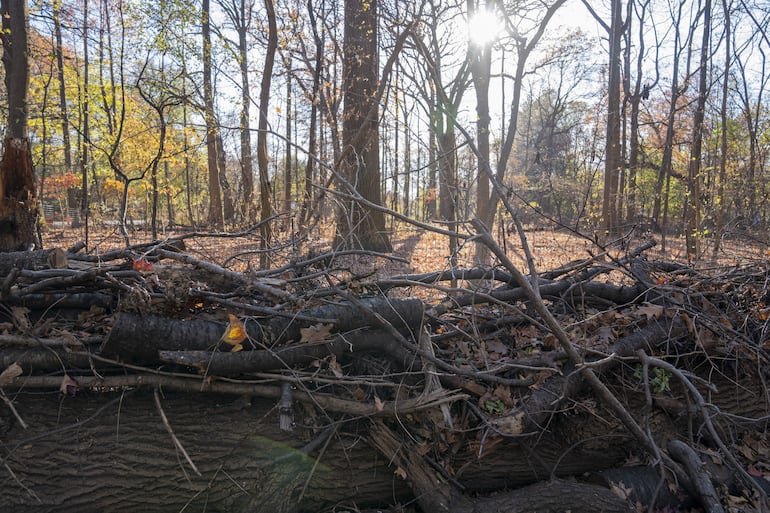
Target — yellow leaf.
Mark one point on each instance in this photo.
(315, 333)
(234, 334)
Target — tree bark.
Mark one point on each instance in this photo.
(18, 200)
(265, 190)
(39, 259)
(216, 219)
(139, 337)
(692, 205)
(613, 160)
(18, 197)
(358, 226)
(111, 452)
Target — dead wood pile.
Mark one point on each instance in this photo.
(646, 380)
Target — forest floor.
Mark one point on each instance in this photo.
(417, 250)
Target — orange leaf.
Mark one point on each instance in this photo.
(140, 264)
(234, 334)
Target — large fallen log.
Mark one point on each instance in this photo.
(138, 338)
(114, 452)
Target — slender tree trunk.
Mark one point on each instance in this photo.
(186, 151)
(216, 219)
(169, 196)
(265, 193)
(432, 193)
(613, 160)
(693, 201)
(315, 98)
(481, 68)
(228, 202)
(287, 170)
(407, 163)
(63, 111)
(84, 155)
(247, 163)
(721, 200)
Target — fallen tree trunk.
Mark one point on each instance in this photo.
(39, 259)
(112, 452)
(138, 338)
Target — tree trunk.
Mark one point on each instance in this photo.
(481, 67)
(247, 165)
(114, 452)
(613, 160)
(265, 190)
(692, 199)
(18, 202)
(723, 148)
(18, 197)
(63, 111)
(357, 225)
(312, 129)
(84, 155)
(288, 164)
(216, 219)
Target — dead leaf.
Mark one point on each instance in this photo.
(621, 490)
(400, 472)
(10, 373)
(68, 386)
(606, 335)
(497, 347)
(378, 404)
(335, 367)
(503, 392)
(651, 311)
(315, 333)
(20, 317)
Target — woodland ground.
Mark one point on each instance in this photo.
(421, 251)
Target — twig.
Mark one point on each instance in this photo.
(11, 407)
(176, 441)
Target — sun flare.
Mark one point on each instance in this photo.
(484, 27)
